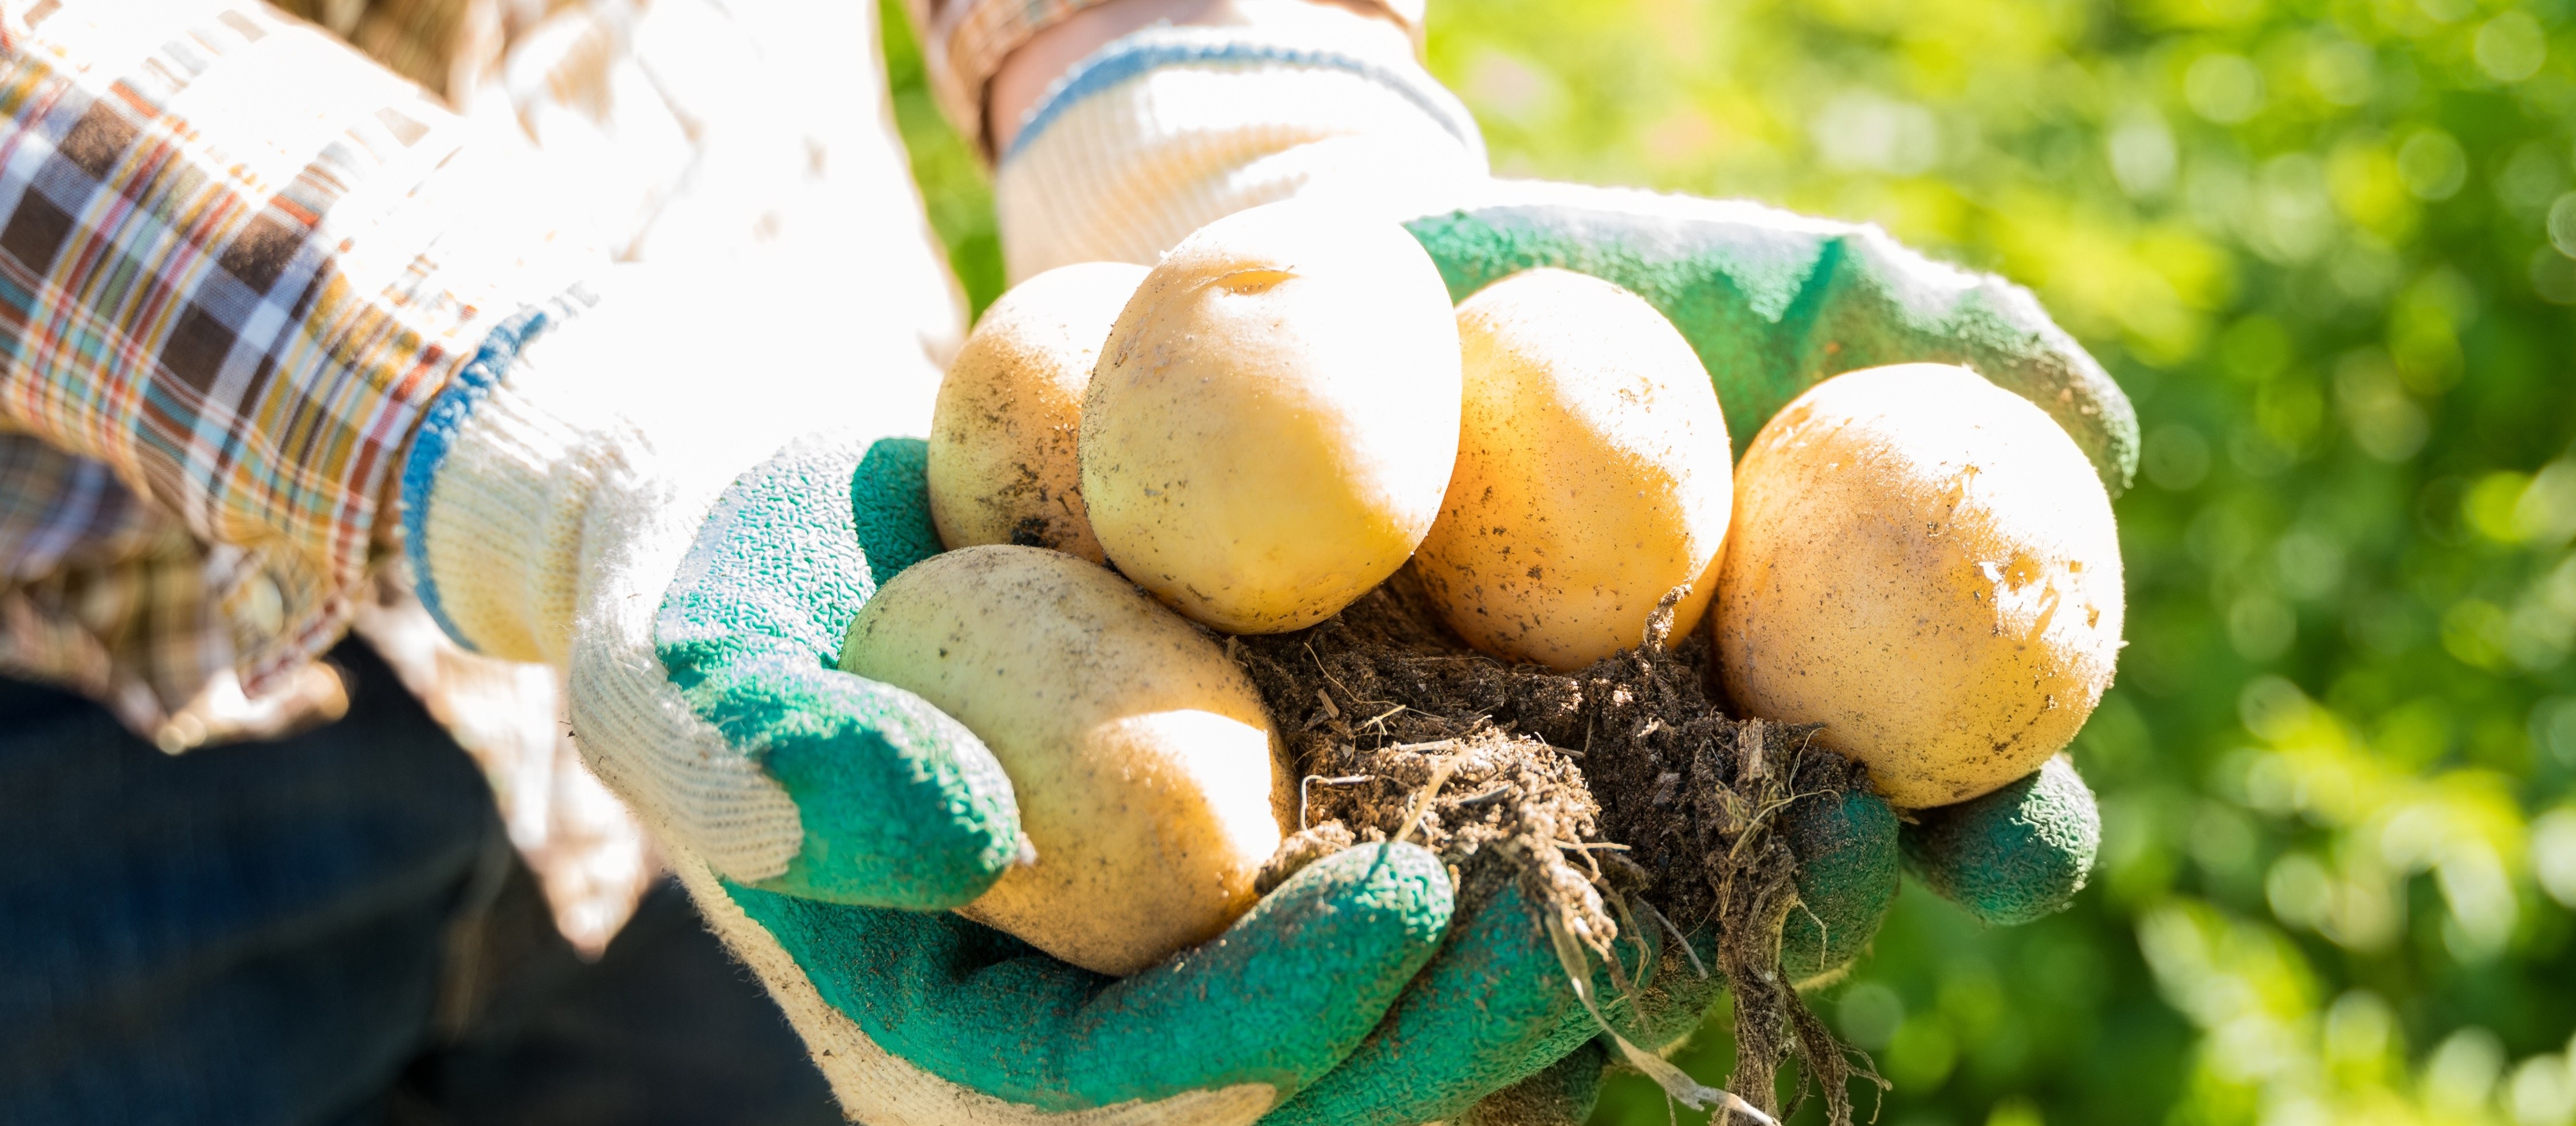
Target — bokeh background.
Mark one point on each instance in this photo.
(2326, 247)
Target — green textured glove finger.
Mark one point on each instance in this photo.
(932, 1018)
(1562, 1095)
(2012, 856)
(900, 805)
(1775, 302)
(1848, 860)
(1493, 1008)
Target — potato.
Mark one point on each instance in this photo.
(1593, 474)
(1148, 776)
(1274, 417)
(1926, 564)
(1002, 436)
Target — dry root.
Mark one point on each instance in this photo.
(1618, 797)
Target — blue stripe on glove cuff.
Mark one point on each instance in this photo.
(1158, 48)
(445, 420)
(439, 426)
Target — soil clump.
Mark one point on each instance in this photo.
(1619, 798)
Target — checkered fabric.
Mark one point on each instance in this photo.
(58, 510)
(963, 43)
(237, 258)
(99, 591)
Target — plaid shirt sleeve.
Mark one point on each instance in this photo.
(963, 44)
(100, 592)
(237, 259)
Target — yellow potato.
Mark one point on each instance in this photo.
(1593, 474)
(1274, 417)
(1002, 436)
(1926, 564)
(1147, 774)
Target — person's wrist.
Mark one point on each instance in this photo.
(1027, 73)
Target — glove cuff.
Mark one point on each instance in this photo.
(531, 496)
(493, 494)
(1163, 131)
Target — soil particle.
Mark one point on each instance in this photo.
(1610, 794)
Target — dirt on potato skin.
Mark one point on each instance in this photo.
(1611, 795)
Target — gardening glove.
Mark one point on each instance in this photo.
(1170, 128)
(1774, 303)
(617, 486)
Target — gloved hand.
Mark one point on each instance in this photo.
(1170, 128)
(621, 490)
(1772, 303)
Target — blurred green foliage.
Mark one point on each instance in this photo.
(953, 187)
(2326, 245)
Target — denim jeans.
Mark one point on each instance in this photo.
(330, 928)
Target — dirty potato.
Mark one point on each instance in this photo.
(1593, 474)
(1002, 435)
(1148, 777)
(1926, 564)
(1274, 418)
